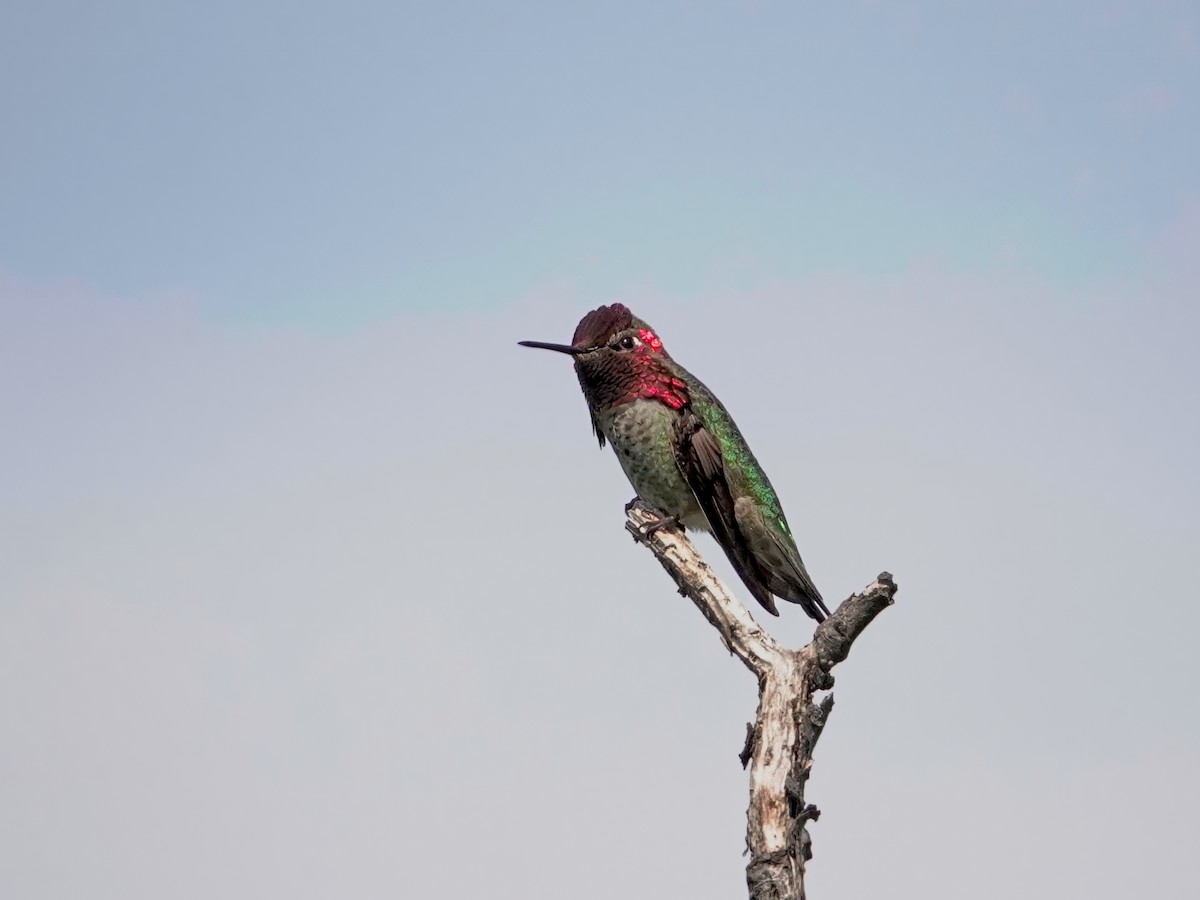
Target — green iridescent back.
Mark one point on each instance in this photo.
(742, 470)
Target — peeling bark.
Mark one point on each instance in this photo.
(790, 719)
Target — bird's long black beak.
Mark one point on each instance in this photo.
(558, 348)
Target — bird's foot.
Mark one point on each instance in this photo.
(664, 521)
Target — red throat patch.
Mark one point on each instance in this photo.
(665, 388)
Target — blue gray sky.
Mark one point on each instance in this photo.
(314, 584)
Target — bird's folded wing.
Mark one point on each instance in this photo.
(699, 458)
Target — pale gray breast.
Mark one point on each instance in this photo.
(640, 433)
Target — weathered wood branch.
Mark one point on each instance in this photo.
(789, 721)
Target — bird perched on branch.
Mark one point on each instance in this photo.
(683, 454)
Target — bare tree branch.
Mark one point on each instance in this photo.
(789, 721)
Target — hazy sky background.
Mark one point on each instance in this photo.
(314, 585)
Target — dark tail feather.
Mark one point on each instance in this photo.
(806, 594)
(762, 595)
(814, 606)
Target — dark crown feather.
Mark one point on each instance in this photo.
(601, 324)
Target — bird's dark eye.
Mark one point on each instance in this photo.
(628, 342)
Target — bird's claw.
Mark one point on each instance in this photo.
(664, 521)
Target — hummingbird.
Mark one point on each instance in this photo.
(683, 454)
